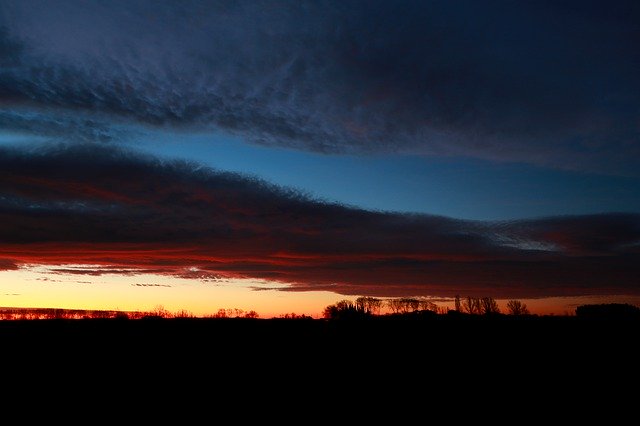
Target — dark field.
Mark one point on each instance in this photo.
(380, 357)
(413, 339)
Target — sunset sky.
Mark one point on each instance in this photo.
(279, 156)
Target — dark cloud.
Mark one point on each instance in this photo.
(102, 270)
(120, 212)
(71, 127)
(6, 265)
(10, 52)
(551, 83)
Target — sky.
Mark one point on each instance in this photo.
(279, 156)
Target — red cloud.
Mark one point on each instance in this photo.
(128, 214)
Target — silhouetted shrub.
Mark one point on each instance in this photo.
(608, 310)
(346, 309)
(516, 307)
(121, 316)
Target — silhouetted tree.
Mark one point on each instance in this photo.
(489, 306)
(458, 303)
(183, 313)
(160, 312)
(410, 304)
(345, 309)
(404, 305)
(442, 310)
(330, 312)
(369, 305)
(472, 305)
(395, 305)
(427, 305)
(346, 305)
(516, 307)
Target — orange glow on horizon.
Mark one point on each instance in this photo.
(39, 287)
(43, 287)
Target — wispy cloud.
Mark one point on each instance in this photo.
(554, 84)
(125, 213)
(150, 285)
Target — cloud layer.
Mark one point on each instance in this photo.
(93, 205)
(550, 83)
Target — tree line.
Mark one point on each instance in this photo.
(372, 306)
(157, 312)
(361, 307)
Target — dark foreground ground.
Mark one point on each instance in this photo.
(342, 341)
(552, 358)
